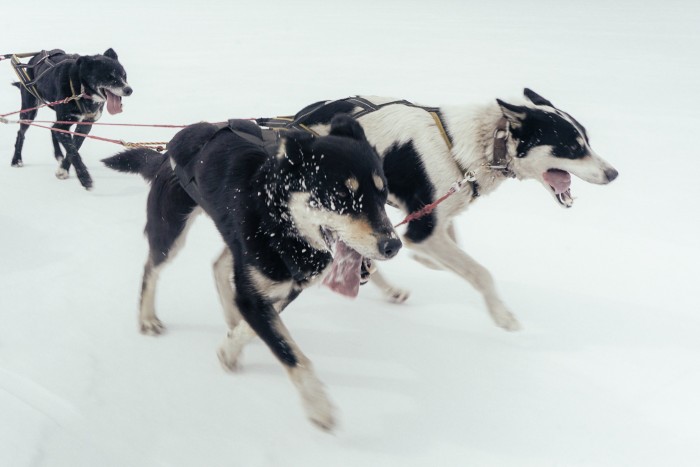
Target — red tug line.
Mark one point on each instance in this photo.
(161, 145)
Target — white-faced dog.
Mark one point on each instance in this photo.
(279, 205)
(426, 149)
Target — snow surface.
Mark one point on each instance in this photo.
(606, 371)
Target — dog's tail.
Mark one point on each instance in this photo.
(143, 161)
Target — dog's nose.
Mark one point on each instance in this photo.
(389, 247)
(128, 91)
(611, 174)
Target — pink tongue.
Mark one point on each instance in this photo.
(114, 103)
(344, 276)
(558, 179)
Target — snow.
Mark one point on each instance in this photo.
(605, 371)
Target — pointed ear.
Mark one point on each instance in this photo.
(110, 53)
(535, 98)
(294, 147)
(344, 125)
(514, 113)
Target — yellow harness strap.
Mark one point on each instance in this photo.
(443, 132)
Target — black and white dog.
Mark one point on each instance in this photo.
(278, 211)
(426, 149)
(56, 75)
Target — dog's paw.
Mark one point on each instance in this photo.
(61, 173)
(317, 405)
(228, 360)
(85, 180)
(505, 319)
(396, 295)
(17, 164)
(151, 327)
(321, 413)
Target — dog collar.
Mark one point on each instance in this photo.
(500, 148)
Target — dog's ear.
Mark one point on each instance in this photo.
(344, 125)
(110, 53)
(514, 113)
(535, 98)
(294, 147)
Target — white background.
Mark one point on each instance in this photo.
(606, 371)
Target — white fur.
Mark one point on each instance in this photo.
(314, 399)
(223, 276)
(61, 173)
(236, 339)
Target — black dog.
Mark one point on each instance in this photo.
(278, 212)
(56, 75)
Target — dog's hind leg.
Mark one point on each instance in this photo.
(236, 339)
(78, 141)
(57, 153)
(72, 158)
(443, 250)
(223, 270)
(169, 219)
(28, 101)
(148, 320)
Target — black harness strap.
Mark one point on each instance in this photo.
(21, 70)
(268, 141)
(286, 123)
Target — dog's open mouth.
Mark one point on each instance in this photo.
(346, 273)
(560, 183)
(114, 102)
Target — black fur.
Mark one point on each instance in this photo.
(53, 72)
(247, 191)
(535, 127)
(409, 183)
(146, 162)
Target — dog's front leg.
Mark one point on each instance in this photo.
(240, 333)
(72, 157)
(83, 128)
(57, 153)
(264, 321)
(441, 248)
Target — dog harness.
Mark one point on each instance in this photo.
(21, 69)
(500, 150)
(267, 139)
